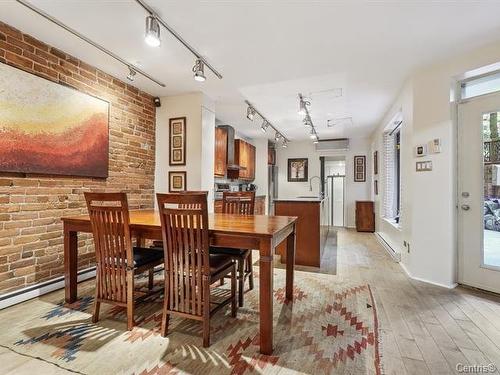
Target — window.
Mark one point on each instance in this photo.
(481, 86)
(392, 173)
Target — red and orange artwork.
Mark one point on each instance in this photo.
(48, 128)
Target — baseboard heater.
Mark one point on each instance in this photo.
(394, 255)
(37, 290)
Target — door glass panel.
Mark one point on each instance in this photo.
(491, 160)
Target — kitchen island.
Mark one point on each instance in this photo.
(311, 228)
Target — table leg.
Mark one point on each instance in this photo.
(290, 262)
(70, 264)
(266, 296)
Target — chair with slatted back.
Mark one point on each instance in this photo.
(189, 267)
(116, 260)
(241, 203)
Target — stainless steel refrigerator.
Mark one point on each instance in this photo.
(272, 190)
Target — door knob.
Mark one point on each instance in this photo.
(465, 207)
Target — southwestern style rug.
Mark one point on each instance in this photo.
(330, 328)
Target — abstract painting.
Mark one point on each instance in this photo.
(48, 128)
(297, 170)
(177, 155)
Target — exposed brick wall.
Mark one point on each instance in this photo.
(31, 242)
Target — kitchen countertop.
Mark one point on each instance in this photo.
(311, 199)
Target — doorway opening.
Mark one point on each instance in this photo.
(335, 189)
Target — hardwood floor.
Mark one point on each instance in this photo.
(425, 329)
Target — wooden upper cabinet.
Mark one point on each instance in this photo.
(244, 155)
(220, 152)
(271, 156)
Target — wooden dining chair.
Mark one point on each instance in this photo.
(189, 267)
(241, 203)
(116, 260)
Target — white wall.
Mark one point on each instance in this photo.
(306, 149)
(200, 124)
(429, 208)
(261, 169)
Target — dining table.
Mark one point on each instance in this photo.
(258, 232)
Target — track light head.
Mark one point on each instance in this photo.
(250, 113)
(131, 74)
(285, 144)
(315, 140)
(277, 137)
(313, 134)
(152, 36)
(264, 126)
(199, 71)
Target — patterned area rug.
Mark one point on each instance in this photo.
(330, 328)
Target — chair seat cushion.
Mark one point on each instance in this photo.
(229, 251)
(143, 256)
(218, 262)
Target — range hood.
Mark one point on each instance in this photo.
(232, 165)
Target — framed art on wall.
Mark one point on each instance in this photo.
(297, 170)
(177, 144)
(176, 181)
(360, 168)
(49, 128)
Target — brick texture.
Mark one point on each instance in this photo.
(31, 238)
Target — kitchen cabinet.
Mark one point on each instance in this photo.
(365, 216)
(220, 166)
(244, 155)
(271, 156)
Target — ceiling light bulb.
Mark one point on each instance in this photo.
(199, 71)
(277, 137)
(131, 74)
(284, 145)
(250, 113)
(152, 36)
(264, 126)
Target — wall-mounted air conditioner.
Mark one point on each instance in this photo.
(339, 144)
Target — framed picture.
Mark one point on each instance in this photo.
(297, 170)
(375, 187)
(177, 135)
(49, 128)
(176, 181)
(375, 162)
(360, 168)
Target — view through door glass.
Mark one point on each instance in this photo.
(491, 160)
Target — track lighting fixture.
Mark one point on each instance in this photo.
(152, 36)
(303, 106)
(131, 74)
(264, 126)
(285, 144)
(250, 113)
(198, 70)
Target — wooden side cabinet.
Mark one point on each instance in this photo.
(220, 152)
(365, 216)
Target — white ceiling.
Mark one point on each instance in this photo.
(269, 51)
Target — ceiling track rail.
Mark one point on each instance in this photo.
(308, 115)
(267, 121)
(89, 41)
(176, 35)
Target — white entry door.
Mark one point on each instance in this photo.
(479, 192)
